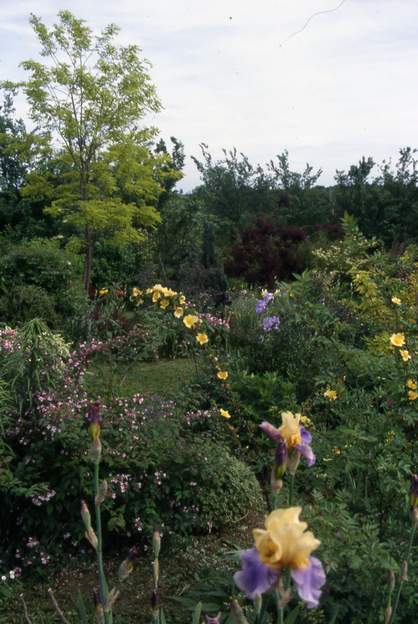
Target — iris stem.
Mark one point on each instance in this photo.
(291, 484)
(401, 582)
(280, 610)
(102, 577)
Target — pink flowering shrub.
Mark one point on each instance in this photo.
(158, 470)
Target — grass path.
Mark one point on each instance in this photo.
(165, 377)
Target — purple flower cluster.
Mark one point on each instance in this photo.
(261, 304)
(271, 323)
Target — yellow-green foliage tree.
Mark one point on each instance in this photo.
(103, 180)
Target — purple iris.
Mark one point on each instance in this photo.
(271, 322)
(305, 448)
(255, 578)
(309, 581)
(261, 304)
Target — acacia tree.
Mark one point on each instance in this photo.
(90, 95)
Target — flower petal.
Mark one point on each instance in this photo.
(309, 581)
(255, 578)
(271, 431)
(305, 448)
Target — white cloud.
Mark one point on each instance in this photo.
(342, 88)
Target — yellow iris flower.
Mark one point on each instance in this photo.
(397, 340)
(190, 320)
(285, 541)
(202, 339)
(290, 429)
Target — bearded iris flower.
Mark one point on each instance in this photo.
(283, 544)
(296, 437)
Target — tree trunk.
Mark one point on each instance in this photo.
(88, 254)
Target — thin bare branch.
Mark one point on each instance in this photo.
(25, 610)
(57, 607)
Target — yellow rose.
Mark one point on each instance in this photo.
(202, 339)
(412, 395)
(164, 303)
(103, 291)
(155, 296)
(290, 429)
(178, 312)
(136, 292)
(182, 300)
(405, 355)
(397, 340)
(285, 541)
(411, 384)
(222, 375)
(224, 413)
(330, 394)
(190, 320)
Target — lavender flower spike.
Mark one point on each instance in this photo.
(309, 581)
(255, 578)
(305, 448)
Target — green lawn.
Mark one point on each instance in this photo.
(165, 377)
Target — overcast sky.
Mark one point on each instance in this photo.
(229, 73)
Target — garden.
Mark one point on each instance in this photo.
(208, 400)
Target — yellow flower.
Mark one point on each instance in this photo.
(202, 339)
(164, 303)
(103, 291)
(155, 296)
(136, 292)
(224, 413)
(330, 394)
(397, 340)
(411, 384)
(412, 395)
(290, 429)
(306, 421)
(178, 312)
(190, 320)
(396, 300)
(222, 375)
(285, 541)
(405, 355)
(182, 300)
